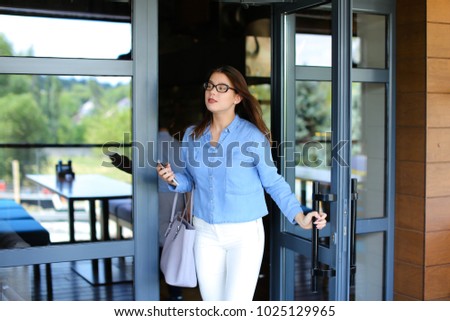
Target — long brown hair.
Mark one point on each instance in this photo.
(249, 107)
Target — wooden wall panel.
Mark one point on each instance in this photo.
(405, 149)
(437, 283)
(436, 248)
(438, 110)
(423, 187)
(411, 75)
(409, 246)
(410, 176)
(410, 11)
(438, 11)
(438, 179)
(410, 212)
(411, 109)
(438, 75)
(402, 297)
(411, 38)
(438, 145)
(438, 217)
(438, 40)
(411, 72)
(409, 280)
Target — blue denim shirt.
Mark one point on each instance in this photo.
(230, 178)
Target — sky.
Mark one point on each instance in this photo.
(66, 38)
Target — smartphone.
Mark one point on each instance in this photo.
(164, 165)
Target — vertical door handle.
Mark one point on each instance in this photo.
(354, 210)
(316, 271)
(315, 241)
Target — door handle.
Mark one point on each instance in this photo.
(354, 210)
(316, 271)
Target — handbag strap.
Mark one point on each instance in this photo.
(174, 207)
(188, 202)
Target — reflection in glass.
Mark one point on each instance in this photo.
(368, 147)
(262, 93)
(312, 137)
(303, 279)
(369, 48)
(313, 40)
(64, 38)
(257, 56)
(313, 50)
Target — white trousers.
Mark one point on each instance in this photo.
(228, 259)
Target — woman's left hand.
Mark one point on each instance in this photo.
(306, 221)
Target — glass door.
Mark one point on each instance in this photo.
(331, 80)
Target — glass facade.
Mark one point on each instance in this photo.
(52, 117)
(64, 37)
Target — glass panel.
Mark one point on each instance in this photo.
(47, 119)
(64, 38)
(370, 262)
(312, 138)
(313, 50)
(64, 110)
(257, 56)
(36, 214)
(262, 93)
(69, 281)
(368, 148)
(303, 279)
(313, 38)
(369, 41)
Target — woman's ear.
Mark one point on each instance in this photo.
(237, 99)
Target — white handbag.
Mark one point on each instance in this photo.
(177, 258)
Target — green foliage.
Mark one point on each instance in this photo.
(312, 122)
(313, 109)
(113, 126)
(6, 48)
(22, 122)
(39, 109)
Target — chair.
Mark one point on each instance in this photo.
(19, 229)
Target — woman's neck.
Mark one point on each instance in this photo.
(218, 124)
(221, 121)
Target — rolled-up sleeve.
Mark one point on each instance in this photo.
(275, 184)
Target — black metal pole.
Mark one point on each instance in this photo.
(315, 240)
(354, 192)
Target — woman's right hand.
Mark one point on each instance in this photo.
(166, 174)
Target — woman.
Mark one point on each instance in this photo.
(227, 159)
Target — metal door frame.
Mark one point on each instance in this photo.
(283, 80)
(283, 89)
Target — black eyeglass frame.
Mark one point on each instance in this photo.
(208, 83)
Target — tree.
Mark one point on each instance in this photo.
(22, 122)
(313, 121)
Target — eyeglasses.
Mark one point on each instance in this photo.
(221, 88)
